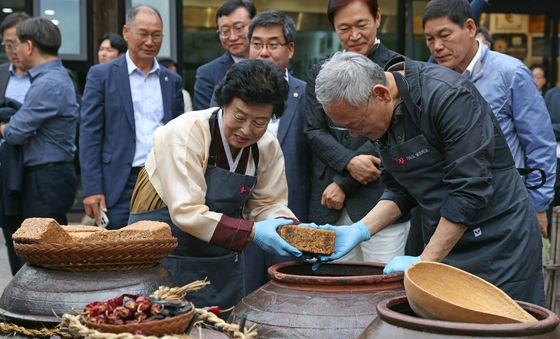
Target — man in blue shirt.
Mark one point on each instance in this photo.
(45, 124)
(506, 84)
(14, 80)
(14, 83)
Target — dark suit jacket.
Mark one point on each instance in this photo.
(295, 149)
(207, 77)
(552, 99)
(4, 78)
(332, 150)
(11, 156)
(107, 128)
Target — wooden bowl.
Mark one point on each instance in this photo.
(442, 292)
(172, 325)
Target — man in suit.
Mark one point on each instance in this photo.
(272, 37)
(345, 181)
(552, 100)
(232, 20)
(124, 102)
(14, 83)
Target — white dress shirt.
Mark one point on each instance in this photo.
(147, 103)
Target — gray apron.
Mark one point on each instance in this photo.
(501, 248)
(194, 259)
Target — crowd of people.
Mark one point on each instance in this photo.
(452, 160)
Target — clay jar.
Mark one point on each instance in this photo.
(36, 296)
(397, 320)
(336, 301)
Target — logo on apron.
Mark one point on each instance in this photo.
(401, 160)
(477, 232)
(244, 190)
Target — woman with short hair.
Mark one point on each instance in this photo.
(217, 177)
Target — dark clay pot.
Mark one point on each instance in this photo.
(336, 301)
(36, 296)
(397, 320)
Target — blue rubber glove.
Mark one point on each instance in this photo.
(400, 263)
(347, 237)
(269, 240)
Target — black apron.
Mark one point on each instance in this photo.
(501, 248)
(194, 259)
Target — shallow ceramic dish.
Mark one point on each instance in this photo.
(171, 325)
(442, 292)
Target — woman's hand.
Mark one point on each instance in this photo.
(268, 239)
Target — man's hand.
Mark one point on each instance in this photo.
(362, 168)
(333, 197)
(543, 223)
(400, 264)
(92, 204)
(347, 237)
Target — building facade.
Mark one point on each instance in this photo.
(190, 30)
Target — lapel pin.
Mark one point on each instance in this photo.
(296, 94)
(166, 78)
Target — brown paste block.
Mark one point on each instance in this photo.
(309, 240)
(141, 230)
(81, 232)
(82, 228)
(156, 229)
(40, 230)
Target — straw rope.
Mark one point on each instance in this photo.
(75, 326)
(12, 329)
(178, 293)
(232, 330)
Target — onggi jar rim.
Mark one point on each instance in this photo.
(350, 280)
(547, 324)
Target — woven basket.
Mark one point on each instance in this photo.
(173, 325)
(96, 256)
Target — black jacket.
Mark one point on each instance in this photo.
(11, 156)
(332, 150)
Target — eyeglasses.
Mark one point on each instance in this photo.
(144, 36)
(225, 32)
(11, 45)
(357, 126)
(271, 47)
(240, 119)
